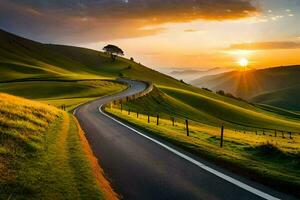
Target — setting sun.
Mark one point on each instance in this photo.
(243, 62)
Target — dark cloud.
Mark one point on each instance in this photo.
(90, 20)
(266, 45)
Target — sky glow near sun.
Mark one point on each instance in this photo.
(187, 34)
(243, 62)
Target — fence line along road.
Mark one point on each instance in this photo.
(150, 87)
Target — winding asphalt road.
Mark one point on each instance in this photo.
(142, 168)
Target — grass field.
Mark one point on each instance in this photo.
(212, 109)
(269, 159)
(287, 98)
(42, 154)
(58, 93)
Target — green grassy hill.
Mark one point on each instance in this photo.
(58, 93)
(271, 86)
(42, 155)
(211, 109)
(21, 58)
(287, 98)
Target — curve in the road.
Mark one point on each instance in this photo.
(140, 166)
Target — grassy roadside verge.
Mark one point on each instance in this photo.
(44, 155)
(97, 171)
(248, 155)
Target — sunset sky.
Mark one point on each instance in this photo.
(167, 33)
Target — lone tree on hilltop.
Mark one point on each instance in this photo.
(113, 51)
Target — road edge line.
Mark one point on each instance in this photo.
(197, 163)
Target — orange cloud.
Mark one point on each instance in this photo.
(266, 45)
(190, 30)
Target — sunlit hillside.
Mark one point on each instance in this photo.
(21, 59)
(35, 159)
(62, 93)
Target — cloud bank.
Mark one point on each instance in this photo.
(92, 20)
(266, 45)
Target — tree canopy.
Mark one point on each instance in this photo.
(112, 49)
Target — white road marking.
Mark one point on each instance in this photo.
(199, 164)
(74, 111)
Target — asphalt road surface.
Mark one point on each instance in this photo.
(140, 169)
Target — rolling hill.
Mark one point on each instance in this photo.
(25, 63)
(287, 98)
(21, 59)
(67, 75)
(272, 86)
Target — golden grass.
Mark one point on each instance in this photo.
(44, 154)
(24, 114)
(200, 132)
(24, 122)
(23, 125)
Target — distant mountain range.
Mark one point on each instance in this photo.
(186, 72)
(191, 74)
(278, 86)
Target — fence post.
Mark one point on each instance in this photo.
(137, 114)
(148, 117)
(187, 127)
(157, 120)
(264, 132)
(275, 133)
(222, 135)
(129, 111)
(291, 135)
(255, 132)
(173, 121)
